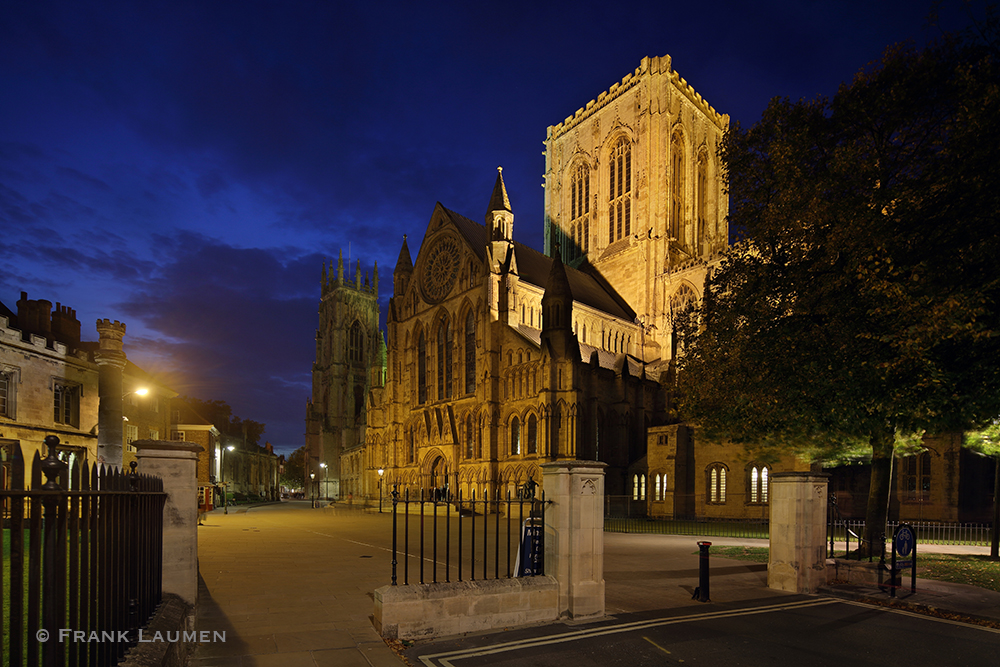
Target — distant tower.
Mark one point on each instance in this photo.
(348, 344)
(110, 359)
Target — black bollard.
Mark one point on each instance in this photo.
(702, 592)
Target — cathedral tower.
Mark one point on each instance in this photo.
(348, 346)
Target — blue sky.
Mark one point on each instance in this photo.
(186, 167)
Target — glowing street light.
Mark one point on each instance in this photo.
(326, 481)
(225, 483)
(381, 471)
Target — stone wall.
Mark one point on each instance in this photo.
(437, 610)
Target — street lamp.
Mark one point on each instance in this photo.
(381, 471)
(222, 474)
(326, 481)
(312, 488)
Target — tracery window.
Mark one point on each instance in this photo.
(532, 434)
(444, 360)
(470, 435)
(677, 188)
(716, 474)
(620, 191)
(422, 369)
(470, 353)
(758, 483)
(580, 209)
(701, 198)
(515, 437)
(6, 394)
(356, 343)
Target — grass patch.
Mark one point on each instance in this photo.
(974, 570)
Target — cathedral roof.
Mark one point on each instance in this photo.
(534, 267)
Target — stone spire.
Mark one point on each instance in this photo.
(499, 216)
(403, 271)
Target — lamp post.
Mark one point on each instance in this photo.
(225, 482)
(326, 481)
(381, 471)
(312, 488)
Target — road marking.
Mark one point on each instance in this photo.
(656, 645)
(446, 659)
(904, 612)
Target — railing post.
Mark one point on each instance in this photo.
(395, 502)
(54, 597)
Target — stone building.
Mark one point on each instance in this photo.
(499, 357)
(85, 392)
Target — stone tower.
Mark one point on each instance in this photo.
(348, 346)
(633, 187)
(110, 357)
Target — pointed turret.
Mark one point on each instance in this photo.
(499, 216)
(357, 275)
(557, 311)
(403, 271)
(375, 279)
(323, 279)
(340, 267)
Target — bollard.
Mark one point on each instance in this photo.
(702, 592)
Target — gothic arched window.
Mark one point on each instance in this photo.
(677, 188)
(716, 474)
(470, 353)
(758, 477)
(422, 369)
(444, 357)
(701, 198)
(532, 435)
(580, 209)
(470, 435)
(356, 343)
(620, 191)
(515, 437)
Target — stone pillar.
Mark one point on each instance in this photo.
(798, 531)
(110, 361)
(574, 537)
(176, 463)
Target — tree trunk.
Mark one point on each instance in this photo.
(878, 492)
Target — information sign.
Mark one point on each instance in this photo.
(903, 544)
(529, 557)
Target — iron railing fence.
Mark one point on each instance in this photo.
(710, 527)
(488, 530)
(82, 561)
(849, 531)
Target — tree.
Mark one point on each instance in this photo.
(987, 443)
(294, 469)
(860, 302)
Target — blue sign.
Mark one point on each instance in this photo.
(903, 543)
(529, 557)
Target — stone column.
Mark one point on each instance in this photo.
(798, 531)
(574, 536)
(110, 361)
(176, 463)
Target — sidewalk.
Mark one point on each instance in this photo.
(291, 586)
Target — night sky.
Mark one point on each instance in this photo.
(186, 167)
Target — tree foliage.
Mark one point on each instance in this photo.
(861, 299)
(220, 414)
(295, 467)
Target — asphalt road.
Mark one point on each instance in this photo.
(799, 630)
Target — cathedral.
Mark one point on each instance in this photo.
(499, 357)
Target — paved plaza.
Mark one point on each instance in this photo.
(292, 586)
